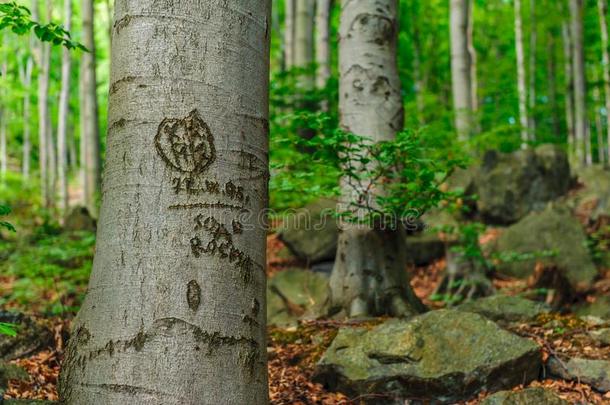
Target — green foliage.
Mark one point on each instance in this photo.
(4, 210)
(18, 19)
(8, 329)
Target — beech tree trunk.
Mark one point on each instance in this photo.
(322, 42)
(90, 137)
(580, 83)
(369, 276)
(603, 10)
(62, 122)
(27, 108)
(521, 82)
(599, 131)
(569, 85)
(461, 68)
(3, 113)
(417, 64)
(304, 40)
(175, 312)
(474, 82)
(290, 10)
(532, 71)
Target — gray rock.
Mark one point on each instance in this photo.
(294, 294)
(509, 186)
(27, 402)
(79, 219)
(601, 336)
(311, 233)
(552, 230)
(506, 308)
(528, 396)
(596, 373)
(424, 248)
(444, 355)
(600, 308)
(11, 372)
(31, 337)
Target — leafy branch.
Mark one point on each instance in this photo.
(18, 19)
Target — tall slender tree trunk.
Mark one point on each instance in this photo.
(27, 108)
(175, 312)
(90, 138)
(51, 150)
(368, 277)
(62, 122)
(599, 126)
(580, 83)
(323, 42)
(603, 11)
(474, 82)
(304, 40)
(461, 68)
(3, 112)
(569, 89)
(521, 82)
(418, 76)
(532, 71)
(552, 82)
(289, 26)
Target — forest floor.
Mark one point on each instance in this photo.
(293, 352)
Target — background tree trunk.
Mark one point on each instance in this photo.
(461, 68)
(27, 108)
(521, 86)
(304, 40)
(474, 82)
(3, 112)
(62, 122)
(599, 127)
(569, 84)
(532, 71)
(289, 33)
(580, 83)
(50, 142)
(323, 42)
(175, 312)
(90, 138)
(552, 82)
(603, 10)
(417, 63)
(369, 275)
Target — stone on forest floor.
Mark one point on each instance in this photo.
(11, 372)
(425, 248)
(528, 396)
(595, 373)
(553, 230)
(294, 294)
(505, 308)
(79, 219)
(509, 186)
(27, 402)
(601, 336)
(31, 337)
(311, 233)
(600, 308)
(445, 355)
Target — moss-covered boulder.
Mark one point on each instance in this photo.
(602, 336)
(311, 233)
(509, 186)
(31, 337)
(11, 372)
(79, 219)
(424, 248)
(444, 355)
(505, 308)
(294, 294)
(593, 199)
(528, 396)
(596, 373)
(600, 308)
(555, 231)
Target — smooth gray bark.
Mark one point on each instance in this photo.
(569, 87)
(369, 276)
(27, 108)
(3, 114)
(580, 82)
(603, 11)
(289, 15)
(323, 42)
(474, 82)
(521, 79)
(461, 68)
(62, 121)
(175, 312)
(90, 137)
(532, 70)
(304, 40)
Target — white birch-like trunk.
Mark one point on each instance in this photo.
(369, 276)
(580, 83)
(521, 82)
(27, 108)
(175, 312)
(461, 68)
(603, 10)
(323, 42)
(474, 82)
(417, 65)
(599, 131)
(3, 112)
(569, 88)
(50, 143)
(90, 137)
(289, 14)
(304, 40)
(532, 71)
(62, 122)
